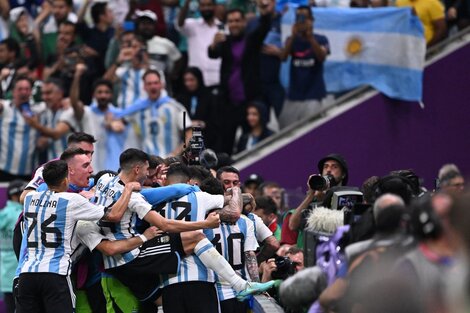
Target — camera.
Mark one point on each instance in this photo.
(285, 268)
(319, 182)
(196, 146)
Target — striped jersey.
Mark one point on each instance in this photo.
(108, 190)
(109, 145)
(131, 85)
(261, 230)
(161, 127)
(50, 119)
(49, 219)
(192, 207)
(232, 241)
(17, 140)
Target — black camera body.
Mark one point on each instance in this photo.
(319, 182)
(196, 146)
(285, 268)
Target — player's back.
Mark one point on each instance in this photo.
(192, 207)
(50, 219)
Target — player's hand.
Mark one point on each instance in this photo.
(152, 232)
(162, 169)
(87, 194)
(249, 203)
(213, 220)
(134, 186)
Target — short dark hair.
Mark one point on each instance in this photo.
(227, 169)
(130, 157)
(69, 3)
(12, 45)
(307, 8)
(22, 77)
(55, 172)
(69, 23)
(179, 170)
(103, 82)
(69, 153)
(294, 250)
(212, 185)
(98, 9)
(266, 204)
(79, 137)
(154, 161)
(234, 10)
(151, 71)
(56, 82)
(199, 172)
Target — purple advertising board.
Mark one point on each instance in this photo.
(381, 134)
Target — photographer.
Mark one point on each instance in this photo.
(283, 267)
(334, 172)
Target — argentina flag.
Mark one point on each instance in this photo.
(381, 47)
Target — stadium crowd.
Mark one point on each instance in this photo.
(96, 91)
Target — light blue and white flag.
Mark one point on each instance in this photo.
(381, 47)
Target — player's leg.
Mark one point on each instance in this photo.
(57, 293)
(197, 243)
(190, 297)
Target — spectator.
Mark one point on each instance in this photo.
(266, 209)
(154, 7)
(163, 54)
(306, 84)
(450, 179)
(239, 73)
(199, 103)
(23, 31)
(8, 262)
(128, 69)
(457, 13)
(432, 15)
(92, 120)
(4, 11)
(251, 185)
(199, 32)
(49, 22)
(273, 92)
(257, 130)
(52, 126)
(160, 119)
(97, 38)
(17, 153)
(9, 57)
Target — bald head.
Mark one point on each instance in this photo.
(385, 201)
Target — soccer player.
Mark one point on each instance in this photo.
(229, 176)
(50, 218)
(237, 243)
(193, 286)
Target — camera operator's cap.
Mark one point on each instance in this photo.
(255, 179)
(16, 187)
(342, 162)
(146, 14)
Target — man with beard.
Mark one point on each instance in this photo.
(239, 73)
(92, 119)
(199, 32)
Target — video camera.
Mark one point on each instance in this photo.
(195, 148)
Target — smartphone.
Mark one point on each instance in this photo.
(26, 109)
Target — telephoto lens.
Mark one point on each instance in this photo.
(318, 182)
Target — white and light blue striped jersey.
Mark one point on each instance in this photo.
(17, 140)
(261, 230)
(161, 127)
(192, 207)
(108, 190)
(232, 241)
(50, 219)
(108, 144)
(50, 119)
(131, 85)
